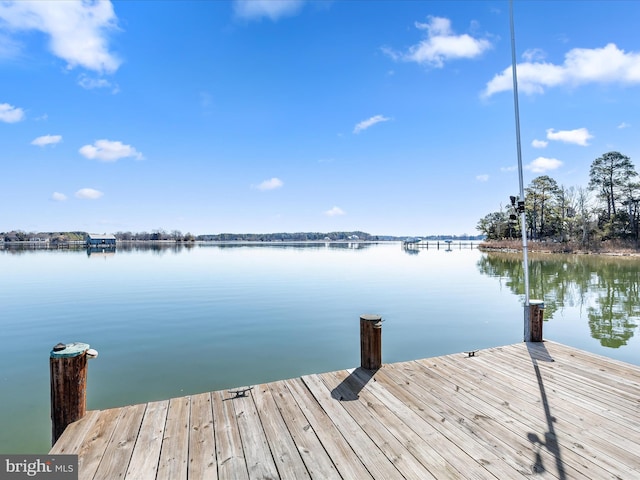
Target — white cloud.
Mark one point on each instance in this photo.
(482, 178)
(10, 114)
(272, 9)
(512, 168)
(363, 125)
(440, 45)
(47, 140)
(77, 31)
(109, 151)
(581, 66)
(624, 125)
(88, 194)
(9, 48)
(58, 197)
(271, 184)
(542, 164)
(90, 83)
(534, 55)
(539, 144)
(579, 136)
(334, 212)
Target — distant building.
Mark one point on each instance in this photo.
(100, 240)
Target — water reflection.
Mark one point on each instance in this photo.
(173, 247)
(606, 288)
(292, 245)
(101, 253)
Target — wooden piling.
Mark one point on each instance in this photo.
(371, 342)
(68, 366)
(536, 319)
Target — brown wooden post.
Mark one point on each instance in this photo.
(370, 342)
(536, 320)
(68, 366)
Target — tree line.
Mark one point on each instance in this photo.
(244, 237)
(178, 236)
(606, 209)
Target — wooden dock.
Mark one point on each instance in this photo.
(540, 410)
(439, 244)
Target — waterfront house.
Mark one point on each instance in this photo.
(38, 240)
(94, 240)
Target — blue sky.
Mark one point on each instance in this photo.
(391, 117)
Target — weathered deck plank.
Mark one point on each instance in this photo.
(372, 422)
(174, 455)
(144, 462)
(283, 448)
(478, 449)
(561, 428)
(202, 447)
(96, 441)
(75, 434)
(587, 382)
(420, 436)
(120, 447)
(355, 434)
(256, 450)
(543, 410)
(491, 414)
(345, 460)
(599, 410)
(229, 454)
(581, 426)
(315, 457)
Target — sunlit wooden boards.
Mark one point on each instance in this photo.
(539, 409)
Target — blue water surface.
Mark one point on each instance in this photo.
(177, 321)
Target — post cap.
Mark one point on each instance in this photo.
(371, 318)
(539, 303)
(70, 350)
(91, 353)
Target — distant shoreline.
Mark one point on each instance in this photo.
(128, 244)
(193, 242)
(177, 237)
(608, 247)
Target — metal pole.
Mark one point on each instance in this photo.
(525, 256)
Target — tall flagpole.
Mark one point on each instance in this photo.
(525, 259)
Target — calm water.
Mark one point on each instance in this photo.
(170, 322)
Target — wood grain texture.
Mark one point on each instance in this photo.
(540, 410)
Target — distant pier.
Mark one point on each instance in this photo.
(438, 244)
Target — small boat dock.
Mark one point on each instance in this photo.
(415, 244)
(526, 410)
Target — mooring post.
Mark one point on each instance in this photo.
(370, 342)
(533, 325)
(68, 366)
